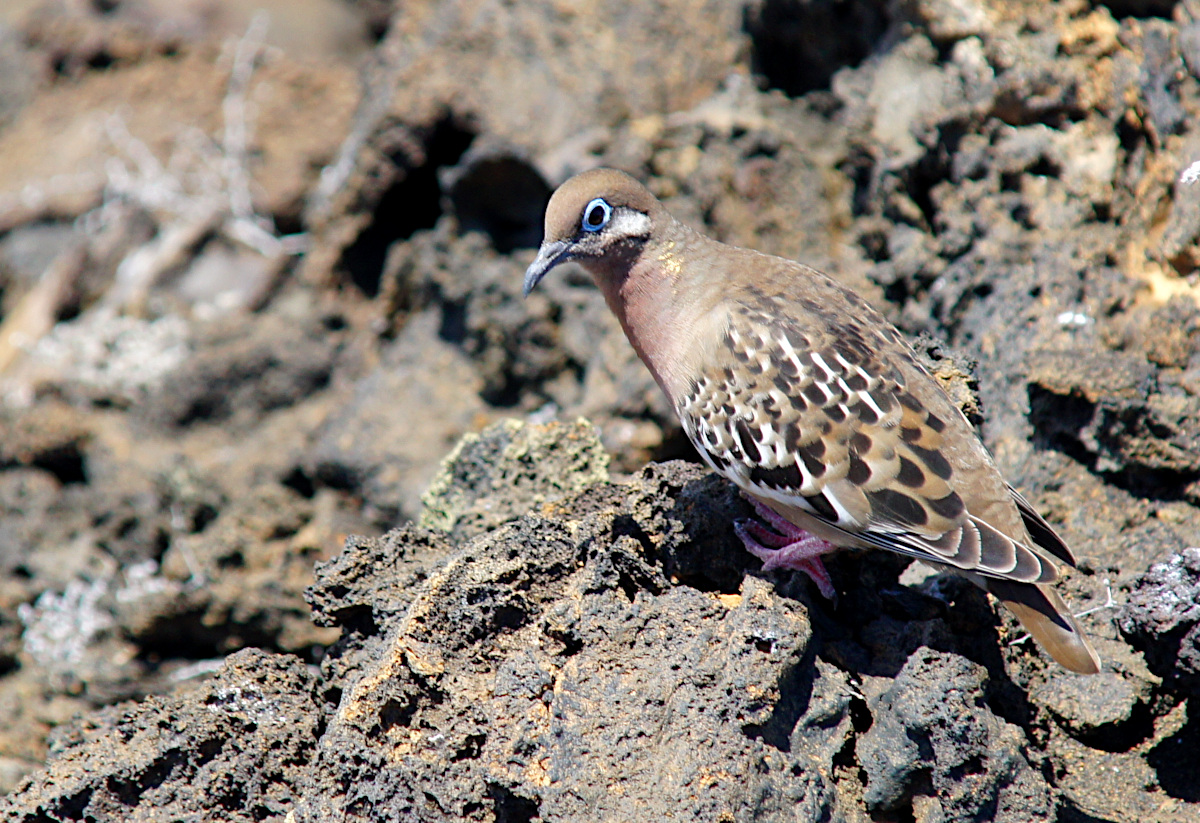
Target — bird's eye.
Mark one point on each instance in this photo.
(596, 215)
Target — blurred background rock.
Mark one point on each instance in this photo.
(260, 269)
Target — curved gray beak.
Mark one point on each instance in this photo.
(549, 255)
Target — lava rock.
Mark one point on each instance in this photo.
(934, 737)
(1162, 618)
(234, 749)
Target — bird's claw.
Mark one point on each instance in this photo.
(796, 549)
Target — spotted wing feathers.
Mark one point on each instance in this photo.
(814, 418)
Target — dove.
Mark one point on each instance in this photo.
(799, 392)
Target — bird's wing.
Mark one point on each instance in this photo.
(827, 419)
(1041, 532)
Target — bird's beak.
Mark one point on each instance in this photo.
(549, 255)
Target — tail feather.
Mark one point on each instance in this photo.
(1045, 616)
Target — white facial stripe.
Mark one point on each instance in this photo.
(629, 223)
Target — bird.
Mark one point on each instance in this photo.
(802, 394)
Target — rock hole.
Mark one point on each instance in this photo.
(933, 168)
(797, 46)
(897, 293)
(100, 60)
(1140, 8)
(157, 773)
(502, 196)
(336, 476)
(160, 545)
(571, 643)
(67, 464)
(973, 765)
(512, 808)
(859, 168)
(508, 617)
(1175, 763)
(471, 748)
(331, 696)
(453, 328)
(412, 202)
(1059, 419)
(1010, 181)
(355, 620)
(234, 800)
(8, 663)
(300, 482)
(875, 246)
(1023, 217)
(394, 713)
(628, 586)
(73, 807)
(335, 322)
(377, 20)
(201, 517)
(232, 560)
(1045, 168)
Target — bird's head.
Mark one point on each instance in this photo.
(600, 219)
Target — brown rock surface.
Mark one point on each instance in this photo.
(248, 305)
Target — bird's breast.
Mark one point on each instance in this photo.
(670, 329)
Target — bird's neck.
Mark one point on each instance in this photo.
(662, 312)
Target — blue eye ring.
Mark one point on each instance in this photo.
(596, 215)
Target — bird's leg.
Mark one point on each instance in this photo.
(788, 547)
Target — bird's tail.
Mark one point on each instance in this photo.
(1045, 616)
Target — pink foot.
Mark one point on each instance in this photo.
(788, 547)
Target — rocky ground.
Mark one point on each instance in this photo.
(300, 515)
